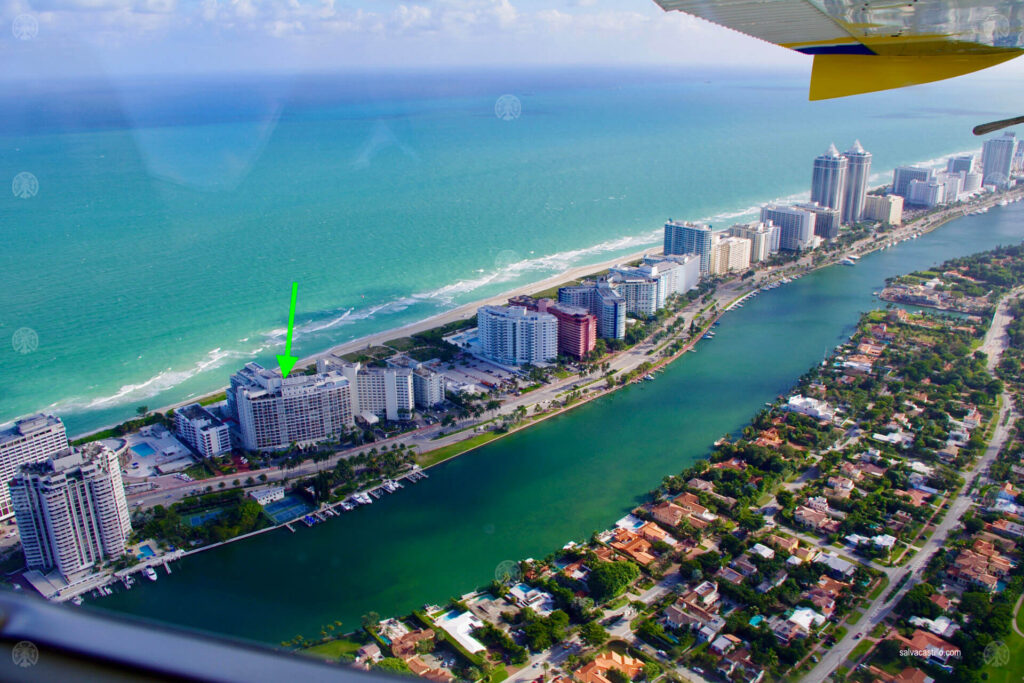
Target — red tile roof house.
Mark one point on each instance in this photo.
(928, 646)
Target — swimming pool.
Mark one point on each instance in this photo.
(142, 450)
(145, 552)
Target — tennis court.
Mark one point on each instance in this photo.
(287, 509)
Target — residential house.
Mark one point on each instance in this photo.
(628, 543)
(596, 671)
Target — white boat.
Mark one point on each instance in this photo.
(77, 600)
(150, 573)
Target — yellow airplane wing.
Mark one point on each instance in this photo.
(868, 45)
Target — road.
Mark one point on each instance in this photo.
(995, 341)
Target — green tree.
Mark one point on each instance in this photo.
(609, 579)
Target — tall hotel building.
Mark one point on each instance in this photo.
(997, 159)
(385, 393)
(826, 219)
(764, 238)
(796, 226)
(960, 164)
(31, 439)
(729, 254)
(577, 326)
(904, 175)
(71, 510)
(689, 238)
(273, 412)
(512, 335)
(885, 209)
(828, 182)
(677, 273)
(606, 305)
(858, 171)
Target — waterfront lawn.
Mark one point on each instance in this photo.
(333, 649)
(1012, 669)
(450, 451)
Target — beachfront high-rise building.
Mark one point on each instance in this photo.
(828, 182)
(826, 220)
(678, 273)
(857, 173)
(607, 305)
(31, 439)
(960, 164)
(728, 254)
(903, 175)
(385, 393)
(796, 226)
(202, 430)
(512, 335)
(428, 385)
(689, 238)
(764, 238)
(71, 510)
(927, 193)
(577, 326)
(952, 183)
(639, 291)
(885, 209)
(274, 412)
(997, 159)
(972, 182)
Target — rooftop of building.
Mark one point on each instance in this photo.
(195, 411)
(28, 425)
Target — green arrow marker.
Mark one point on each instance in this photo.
(286, 360)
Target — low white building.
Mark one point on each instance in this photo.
(201, 430)
(266, 496)
(812, 407)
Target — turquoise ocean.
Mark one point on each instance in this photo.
(172, 216)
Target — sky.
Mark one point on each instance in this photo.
(114, 37)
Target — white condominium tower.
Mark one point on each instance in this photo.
(796, 226)
(607, 305)
(857, 173)
(764, 238)
(512, 335)
(828, 182)
(204, 432)
(71, 511)
(273, 412)
(689, 238)
(31, 439)
(729, 254)
(902, 176)
(997, 159)
(387, 393)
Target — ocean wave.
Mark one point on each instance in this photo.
(155, 385)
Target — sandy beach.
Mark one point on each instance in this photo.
(469, 310)
(459, 313)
